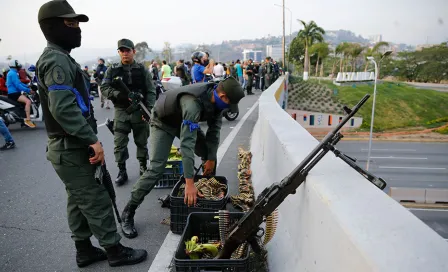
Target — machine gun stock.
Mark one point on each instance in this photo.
(248, 226)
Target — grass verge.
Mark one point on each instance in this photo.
(397, 105)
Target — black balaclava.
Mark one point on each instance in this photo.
(57, 32)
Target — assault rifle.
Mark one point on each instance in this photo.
(248, 227)
(102, 176)
(137, 103)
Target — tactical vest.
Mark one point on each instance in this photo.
(134, 80)
(167, 107)
(81, 89)
(249, 67)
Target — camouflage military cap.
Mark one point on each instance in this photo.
(125, 43)
(59, 9)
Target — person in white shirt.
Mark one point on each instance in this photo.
(218, 70)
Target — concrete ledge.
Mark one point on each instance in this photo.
(337, 220)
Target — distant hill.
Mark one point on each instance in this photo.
(336, 37)
(227, 51)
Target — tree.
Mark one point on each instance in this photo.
(296, 52)
(374, 52)
(142, 49)
(167, 52)
(310, 33)
(322, 51)
(342, 51)
(354, 51)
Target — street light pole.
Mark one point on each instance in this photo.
(387, 53)
(373, 113)
(283, 40)
(290, 21)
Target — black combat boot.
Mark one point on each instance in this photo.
(127, 217)
(87, 254)
(143, 167)
(122, 175)
(120, 255)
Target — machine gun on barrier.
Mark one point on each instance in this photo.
(248, 227)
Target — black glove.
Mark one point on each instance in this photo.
(135, 97)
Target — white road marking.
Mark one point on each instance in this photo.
(166, 252)
(430, 210)
(386, 149)
(405, 167)
(399, 158)
(232, 127)
(103, 124)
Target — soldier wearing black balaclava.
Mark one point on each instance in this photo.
(72, 129)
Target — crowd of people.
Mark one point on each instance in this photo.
(250, 74)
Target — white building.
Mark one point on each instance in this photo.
(376, 38)
(255, 55)
(274, 51)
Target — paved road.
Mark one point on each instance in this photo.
(429, 86)
(423, 165)
(435, 219)
(403, 164)
(33, 227)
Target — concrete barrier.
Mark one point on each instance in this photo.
(417, 195)
(436, 195)
(337, 220)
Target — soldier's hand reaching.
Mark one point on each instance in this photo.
(209, 166)
(191, 193)
(99, 153)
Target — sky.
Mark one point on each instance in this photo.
(212, 21)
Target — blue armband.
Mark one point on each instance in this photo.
(79, 100)
(193, 126)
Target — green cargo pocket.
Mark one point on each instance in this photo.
(122, 127)
(54, 157)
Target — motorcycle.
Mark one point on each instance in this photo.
(94, 88)
(12, 112)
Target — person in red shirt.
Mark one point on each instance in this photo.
(24, 77)
(3, 88)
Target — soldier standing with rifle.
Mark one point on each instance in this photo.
(177, 113)
(128, 117)
(250, 77)
(71, 129)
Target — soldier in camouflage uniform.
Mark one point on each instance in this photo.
(177, 113)
(269, 75)
(128, 118)
(71, 129)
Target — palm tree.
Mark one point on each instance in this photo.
(355, 51)
(322, 51)
(342, 50)
(373, 52)
(310, 33)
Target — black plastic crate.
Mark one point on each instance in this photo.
(171, 175)
(206, 227)
(180, 211)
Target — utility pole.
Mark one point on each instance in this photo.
(283, 40)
